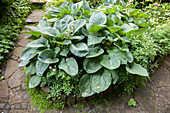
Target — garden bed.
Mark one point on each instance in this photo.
(79, 53)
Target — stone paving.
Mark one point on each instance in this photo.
(155, 98)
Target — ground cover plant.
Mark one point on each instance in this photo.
(11, 21)
(81, 51)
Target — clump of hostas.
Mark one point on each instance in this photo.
(75, 37)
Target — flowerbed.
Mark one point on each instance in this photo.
(79, 51)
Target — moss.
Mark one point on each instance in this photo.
(39, 98)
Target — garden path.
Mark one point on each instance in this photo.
(155, 98)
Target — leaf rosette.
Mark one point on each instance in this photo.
(75, 37)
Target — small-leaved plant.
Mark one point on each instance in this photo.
(75, 37)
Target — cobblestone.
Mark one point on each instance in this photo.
(2, 105)
(7, 106)
(24, 105)
(17, 106)
(12, 106)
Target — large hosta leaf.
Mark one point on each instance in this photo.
(48, 56)
(42, 24)
(61, 25)
(114, 19)
(32, 37)
(114, 29)
(77, 24)
(69, 65)
(76, 7)
(141, 22)
(28, 53)
(121, 46)
(50, 31)
(24, 63)
(92, 65)
(128, 56)
(35, 33)
(33, 28)
(115, 76)
(34, 81)
(38, 43)
(31, 69)
(95, 52)
(93, 28)
(41, 68)
(98, 18)
(136, 31)
(101, 81)
(110, 62)
(85, 86)
(81, 37)
(80, 49)
(136, 69)
(68, 18)
(93, 39)
(64, 52)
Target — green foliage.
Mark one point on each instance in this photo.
(60, 83)
(2, 78)
(79, 105)
(11, 22)
(39, 98)
(161, 37)
(80, 29)
(154, 42)
(131, 102)
(92, 3)
(158, 14)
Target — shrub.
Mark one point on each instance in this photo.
(94, 41)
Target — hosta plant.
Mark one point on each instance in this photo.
(75, 37)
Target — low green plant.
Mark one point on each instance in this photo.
(131, 102)
(40, 99)
(2, 78)
(158, 13)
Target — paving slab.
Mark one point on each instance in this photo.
(4, 91)
(17, 51)
(35, 16)
(12, 67)
(17, 78)
(145, 98)
(21, 40)
(19, 97)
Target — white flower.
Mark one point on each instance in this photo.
(98, 87)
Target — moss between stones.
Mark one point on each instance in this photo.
(39, 98)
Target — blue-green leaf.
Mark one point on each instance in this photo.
(92, 65)
(136, 69)
(80, 49)
(41, 67)
(98, 18)
(101, 81)
(69, 65)
(48, 56)
(34, 81)
(85, 86)
(93, 39)
(38, 43)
